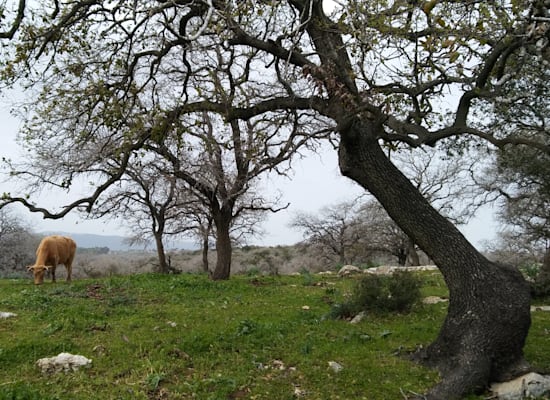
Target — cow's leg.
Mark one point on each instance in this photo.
(69, 267)
(53, 273)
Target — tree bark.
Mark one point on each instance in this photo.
(483, 335)
(402, 256)
(223, 245)
(205, 249)
(163, 265)
(414, 259)
(542, 281)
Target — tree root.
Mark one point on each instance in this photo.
(470, 375)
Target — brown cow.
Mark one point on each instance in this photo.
(53, 250)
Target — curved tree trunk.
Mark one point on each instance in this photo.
(483, 335)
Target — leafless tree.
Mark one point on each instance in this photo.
(220, 163)
(448, 183)
(334, 231)
(360, 228)
(17, 243)
(152, 203)
(382, 235)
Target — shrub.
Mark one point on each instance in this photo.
(540, 289)
(381, 294)
(404, 289)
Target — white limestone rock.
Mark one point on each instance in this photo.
(531, 385)
(358, 318)
(335, 366)
(349, 270)
(434, 300)
(65, 362)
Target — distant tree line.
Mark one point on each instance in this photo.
(94, 250)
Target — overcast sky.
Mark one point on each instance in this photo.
(315, 183)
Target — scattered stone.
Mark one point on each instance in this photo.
(531, 385)
(305, 308)
(299, 392)
(540, 308)
(381, 270)
(434, 300)
(7, 314)
(349, 270)
(336, 367)
(358, 318)
(63, 362)
(325, 273)
(172, 324)
(278, 364)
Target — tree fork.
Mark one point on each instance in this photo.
(488, 320)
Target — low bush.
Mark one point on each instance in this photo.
(381, 294)
(540, 290)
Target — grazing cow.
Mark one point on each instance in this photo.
(53, 250)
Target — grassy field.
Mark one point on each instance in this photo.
(185, 337)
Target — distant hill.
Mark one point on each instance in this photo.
(117, 243)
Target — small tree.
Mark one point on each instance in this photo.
(17, 243)
(152, 203)
(382, 235)
(335, 232)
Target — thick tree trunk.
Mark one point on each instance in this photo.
(483, 335)
(223, 247)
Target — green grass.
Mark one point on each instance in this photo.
(186, 337)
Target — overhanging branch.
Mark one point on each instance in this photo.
(85, 203)
(16, 22)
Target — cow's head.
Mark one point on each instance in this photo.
(38, 273)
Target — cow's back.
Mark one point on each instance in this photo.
(55, 250)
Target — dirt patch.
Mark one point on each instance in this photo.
(94, 291)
